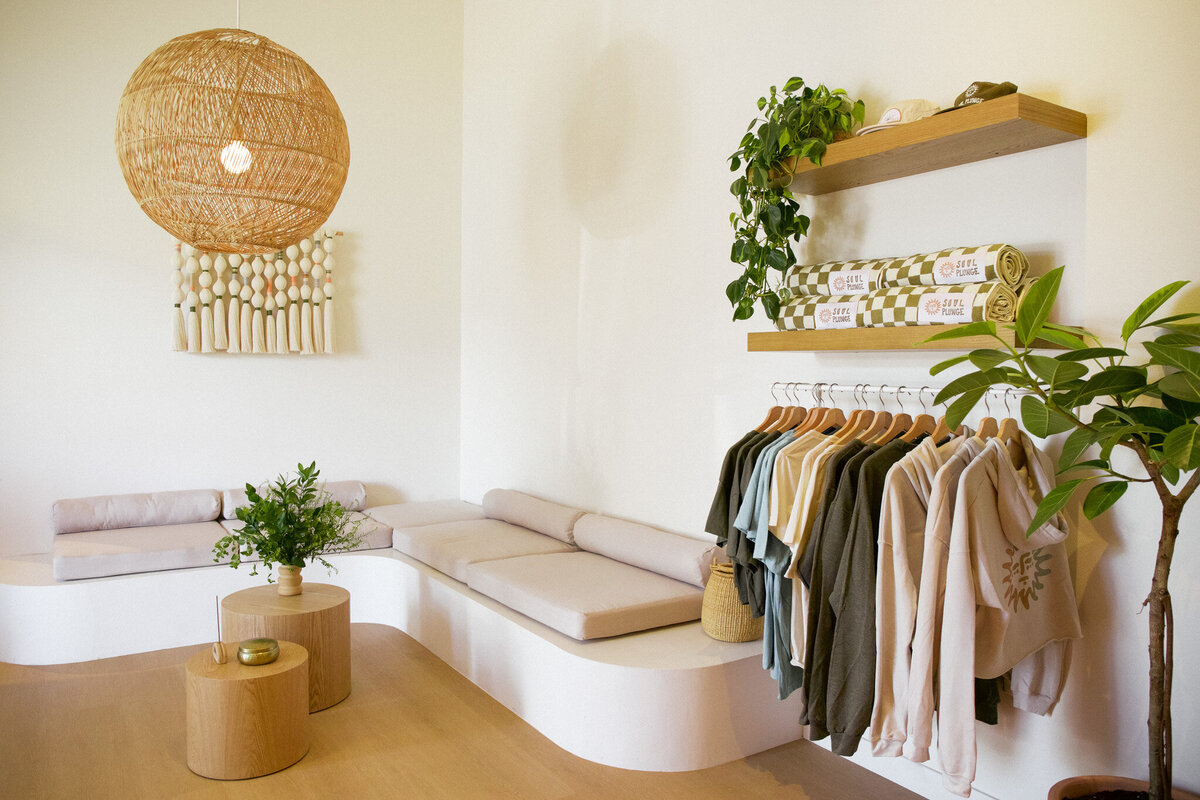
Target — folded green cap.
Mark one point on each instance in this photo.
(979, 91)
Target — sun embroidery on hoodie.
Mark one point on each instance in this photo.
(1026, 568)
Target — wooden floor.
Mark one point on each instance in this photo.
(412, 727)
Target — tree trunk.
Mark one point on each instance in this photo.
(1161, 644)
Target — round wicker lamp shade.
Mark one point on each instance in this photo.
(231, 142)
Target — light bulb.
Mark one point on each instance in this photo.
(236, 157)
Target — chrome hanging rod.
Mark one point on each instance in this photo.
(825, 389)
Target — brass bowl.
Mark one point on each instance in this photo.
(254, 652)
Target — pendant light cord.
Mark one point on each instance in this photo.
(239, 14)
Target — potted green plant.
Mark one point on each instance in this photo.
(288, 523)
(1112, 400)
(797, 122)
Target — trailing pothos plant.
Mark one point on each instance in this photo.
(1109, 399)
(289, 522)
(797, 122)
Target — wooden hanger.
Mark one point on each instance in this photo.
(988, 427)
(773, 415)
(923, 423)
(792, 416)
(940, 431)
(815, 418)
(900, 423)
(860, 420)
(1009, 432)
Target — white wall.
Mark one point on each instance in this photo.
(92, 401)
(599, 365)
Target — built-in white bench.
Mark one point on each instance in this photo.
(669, 699)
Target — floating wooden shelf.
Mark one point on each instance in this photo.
(895, 338)
(1011, 124)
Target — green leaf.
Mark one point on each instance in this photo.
(743, 311)
(793, 84)
(984, 379)
(1041, 420)
(1181, 408)
(770, 304)
(1089, 353)
(1178, 357)
(1101, 496)
(986, 328)
(1167, 321)
(777, 260)
(1074, 446)
(1060, 338)
(1170, 473)
(941, 366)
(1178, 339)
(1054, 372)
(1112, 382)
(1182, 447)
(1148, 307)
(987, 359)
(1091, 463)
(1051, 504)
(1035, 306)
(957, 411)
(1181, 385)
(736, 289)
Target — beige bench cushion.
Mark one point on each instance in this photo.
(585, 595)
(427, 512)
(113, 511)
(638, 545)
(532, 512)
(453, 546)
(96, 554)
(375, 534)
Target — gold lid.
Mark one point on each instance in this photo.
(258, 651)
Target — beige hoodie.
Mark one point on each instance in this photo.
(1007, 597)
(906, 495)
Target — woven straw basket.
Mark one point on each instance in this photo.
(723, 616)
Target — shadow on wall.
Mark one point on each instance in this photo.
(620, 143)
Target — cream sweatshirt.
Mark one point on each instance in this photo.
(1007, 596)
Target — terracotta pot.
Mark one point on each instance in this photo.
(1082, 785)
(289, 581)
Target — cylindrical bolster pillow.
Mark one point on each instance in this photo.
(819, 312)
(531, 512)
(109, 511)
(668, 554)
(351, 494)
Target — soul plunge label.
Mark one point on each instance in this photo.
(852, 281)
(970, 268)
(937, 308)
(827, 316)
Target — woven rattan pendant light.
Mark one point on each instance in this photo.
(231, 142)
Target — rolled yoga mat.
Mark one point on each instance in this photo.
(960, 265)
(818, 312)
(940, 305)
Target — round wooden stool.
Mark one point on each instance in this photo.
(318, 619)
(243, 721)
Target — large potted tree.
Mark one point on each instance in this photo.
(797, 122)
(1109, 399)
(289, 523)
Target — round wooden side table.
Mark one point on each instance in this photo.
(243, 722)
(318, 619)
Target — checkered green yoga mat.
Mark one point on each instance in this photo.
(901, 305)
(960, 265)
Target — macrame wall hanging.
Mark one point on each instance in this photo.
(276, 303)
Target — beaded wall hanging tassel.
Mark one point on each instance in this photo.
(220, 328)
(275, 304)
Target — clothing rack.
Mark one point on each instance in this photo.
(860, 392)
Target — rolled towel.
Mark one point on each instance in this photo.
(993, 262)
(817, 312)
(940, 305)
